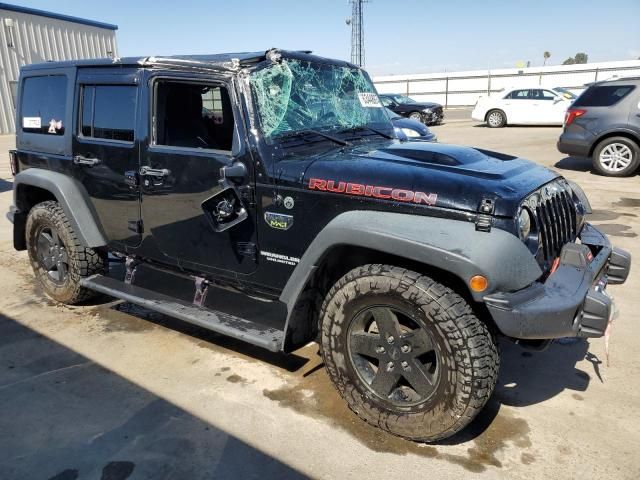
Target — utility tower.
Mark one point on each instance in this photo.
(357, 32)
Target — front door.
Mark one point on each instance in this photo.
(105, 151)
(191, 215)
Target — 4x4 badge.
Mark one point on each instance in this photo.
(278, 221)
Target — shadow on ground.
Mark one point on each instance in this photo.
(5, 186)
(579, 164)
(65, 418)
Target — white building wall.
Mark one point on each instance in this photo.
(38, 39)
(464, 88)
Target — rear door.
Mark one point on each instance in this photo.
(105, 150)
(519, 107)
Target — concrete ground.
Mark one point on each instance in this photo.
(113, 392)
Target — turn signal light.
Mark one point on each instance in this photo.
(478, 283)
(572, 114)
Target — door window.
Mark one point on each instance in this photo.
(43, 104)
(193, 116)
(519, 95)
(108, 112)
(539, 94)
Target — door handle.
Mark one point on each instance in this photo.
(154, 172)
(89, 162)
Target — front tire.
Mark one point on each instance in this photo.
(407, 353)
(616, 157)
(496, 119)
(416, 116)
(58, 259)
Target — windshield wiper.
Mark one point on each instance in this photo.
(365, 127)
(307, 131)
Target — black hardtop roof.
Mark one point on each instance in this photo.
(218, 61)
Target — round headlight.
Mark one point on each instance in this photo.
(524, 224)
(410, 133)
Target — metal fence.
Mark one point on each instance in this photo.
(464, 88)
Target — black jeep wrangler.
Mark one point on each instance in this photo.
(263, 196)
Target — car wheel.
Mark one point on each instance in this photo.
(616, 157)
(58, 258)
(496, 119)
(416, 116)
(407, 353)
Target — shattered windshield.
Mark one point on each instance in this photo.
(295, 95)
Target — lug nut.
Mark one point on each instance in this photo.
(389, 366)
(390, 339)
(405, 366)
(405, 348)
(380, 350)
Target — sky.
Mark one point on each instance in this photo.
(401, 36)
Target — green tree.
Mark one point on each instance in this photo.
(581, 58)
(546, 56)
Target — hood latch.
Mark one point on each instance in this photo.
(484, 220)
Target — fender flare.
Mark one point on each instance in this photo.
(72, 197)
(451, 245)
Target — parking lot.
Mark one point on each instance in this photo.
(111, 391)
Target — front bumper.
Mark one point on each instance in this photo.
(572, 301)
(435, 117)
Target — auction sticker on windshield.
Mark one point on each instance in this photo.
(369, 100)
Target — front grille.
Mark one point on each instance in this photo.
(555, 217)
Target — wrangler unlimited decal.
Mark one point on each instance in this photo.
(397, 194)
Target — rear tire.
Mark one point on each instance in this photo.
(616, 157)
(496, 119)
(407, 353)
(58, 259)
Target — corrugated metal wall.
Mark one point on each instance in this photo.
(39, 39)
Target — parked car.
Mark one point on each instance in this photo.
(604, 124)
(409, 129)
(291, 221)
(429, 113)
(523, 106)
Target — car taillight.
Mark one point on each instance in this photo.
(13, 162)
(572, 114)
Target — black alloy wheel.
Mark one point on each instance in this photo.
(393, 356)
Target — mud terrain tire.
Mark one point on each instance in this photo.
(57, 257)
(461, 369)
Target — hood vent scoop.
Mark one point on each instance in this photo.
(428, 156)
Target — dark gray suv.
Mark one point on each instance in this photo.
(604, 123)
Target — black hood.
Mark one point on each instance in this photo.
(424, 104)
(460, 176)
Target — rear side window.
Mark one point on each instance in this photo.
(518, 95)
(603, 95)
(108, 112)
(43, 104)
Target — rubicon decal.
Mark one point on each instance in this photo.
(374, 191)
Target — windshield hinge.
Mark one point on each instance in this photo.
(484, 220)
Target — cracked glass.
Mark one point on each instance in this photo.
(296, 95)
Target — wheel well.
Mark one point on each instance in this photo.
(339, 261)
(27, 196)
(486, 115)
(627, 135)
